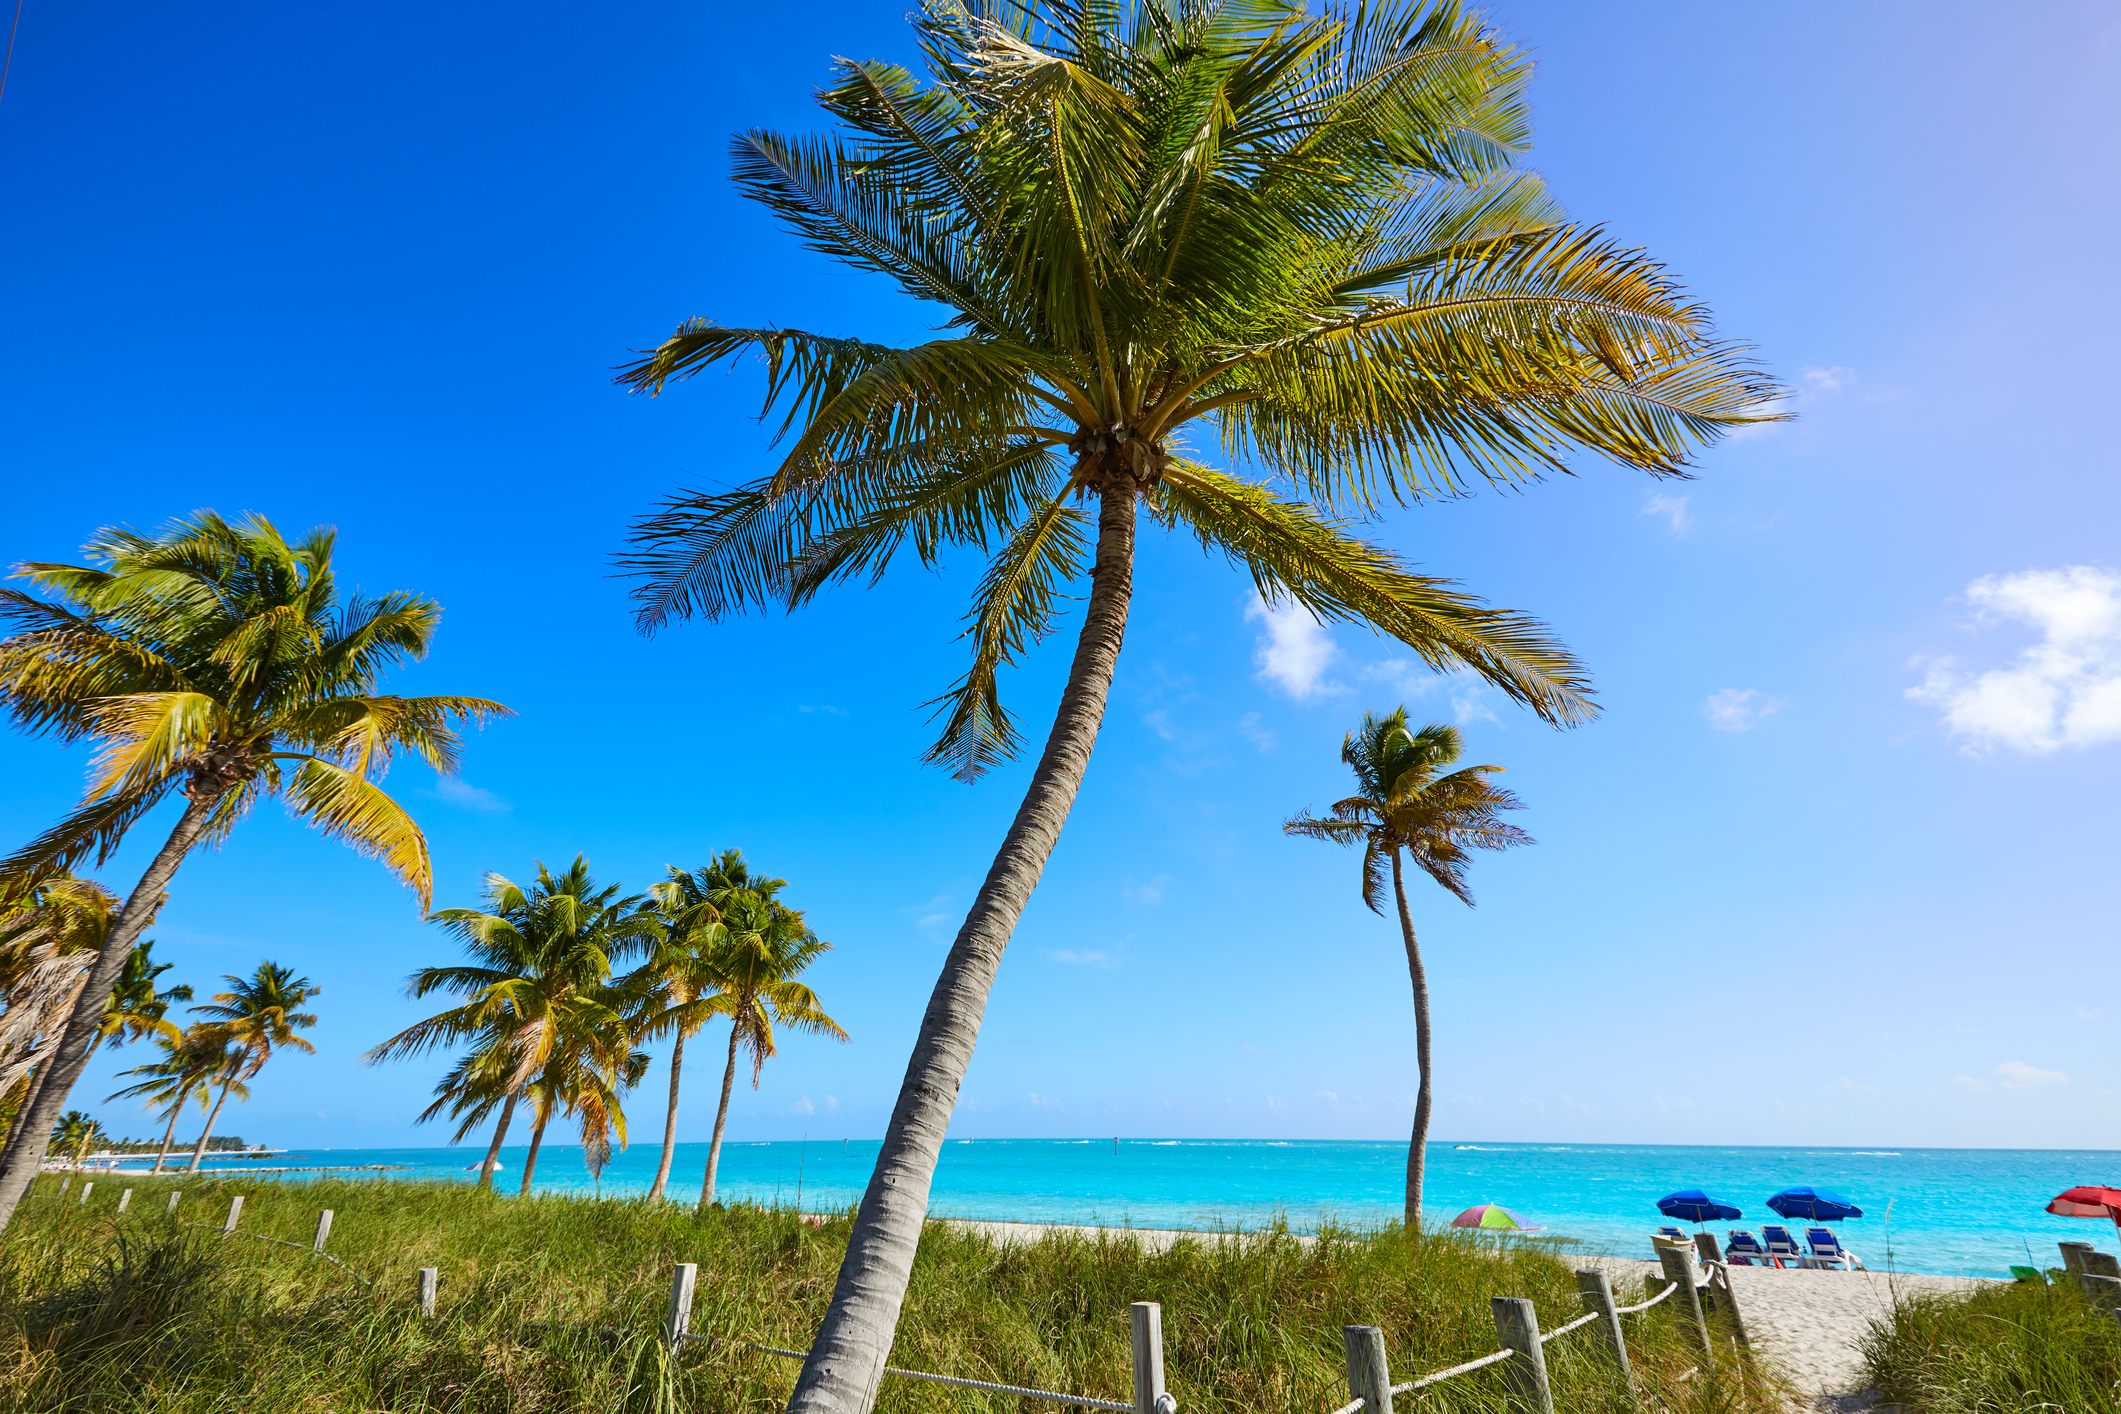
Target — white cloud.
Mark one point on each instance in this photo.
(1739, 709)
(829, 710)
(1146, 895)
(1249, 728)
(2017, 1075)
(2065, 690)
(1251, 1050)
(1469, 695)
(1295, 651)
(1084, 959)
(802, 1107)
(2090, 1013)
(934, 918)
(1971, 1085)
(1673, 509)
(832, 1105)
(1829, 380)
(470, 797)
(1817, 383)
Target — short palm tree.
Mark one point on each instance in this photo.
(73, 1133)
(539, 987)
(216, 663)
(255, 1017)
(1409, 802)
(1294, 231)
(679, 988)
(760, 946)
(190, 1065)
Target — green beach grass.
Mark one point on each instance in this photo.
(553, 1304)
(2016, 1347)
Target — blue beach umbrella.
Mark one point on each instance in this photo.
(1818, 1205)
(1694, 1206)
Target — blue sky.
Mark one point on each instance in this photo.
(1834, 867)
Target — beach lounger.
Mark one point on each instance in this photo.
(1673, 1234)
(1744, 1249)
(1781, 1247)
(1827, 1250)
(2029, 1274)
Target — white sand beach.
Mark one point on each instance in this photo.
(1806, 1323)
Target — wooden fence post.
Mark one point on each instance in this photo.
(235, 1210)
(125, 1200)
(86, 1189)
(68, 1182)
(1150, 1397)
(677, 1317)
(2072, 1255)
(1369, 1376)
(1517, 1323)
(1679, 1266)
(323, 1230)
(171, 1210)
(1730, 1299)
(1706, 1249)
(427, 1289)
(1597, 1292)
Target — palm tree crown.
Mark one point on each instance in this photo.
(257, 1014)
(218, 661)
(1301, 231)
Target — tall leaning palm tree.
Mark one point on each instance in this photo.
(216, 663)
(1297, 233)
(538, 992)
(255, 1017)
(1410, 803)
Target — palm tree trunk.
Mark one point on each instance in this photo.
(846, 1361)
(39, 1069)
(85, 1026)
(537, 1138)
(1418, 1147)
(198, 1150)
(493, 1150)
(670, 1121)
(721, 1119)
(169, 1135)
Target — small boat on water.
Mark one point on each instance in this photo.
(496, 1166)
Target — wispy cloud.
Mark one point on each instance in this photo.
(802, 1107)
(466, 796)
(827, 710)
(1468, 694)
(2064, 690)
(1814, 383)
(1146, 895)
(1075, 958)
(1249, 728)
(1739, 709)
(934, 918)
(2011, 1075)
(1673, 509)
(1295, 651)
(1829, 380)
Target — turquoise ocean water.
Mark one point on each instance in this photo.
(1970, 1212)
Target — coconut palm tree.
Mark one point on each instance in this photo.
(758, 948)
(255, 1016)
(678, 988)
(73, 1133)
(49, 932)
(1409, 802)
(215, 662)
(190, 1064)
(1298, 231)
(539, 987)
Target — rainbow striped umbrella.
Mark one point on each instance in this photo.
(1492, 1218)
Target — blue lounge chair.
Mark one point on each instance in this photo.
(1673, 1234)
(1827, 1250)
(1744, 1249)
(1781, 1247)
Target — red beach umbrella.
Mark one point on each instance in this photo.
(2088, 1202)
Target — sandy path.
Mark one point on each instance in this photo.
(1806, 1322)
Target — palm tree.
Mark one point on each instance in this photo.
(679, 989)
(254, 1016)
(1409, 802)
(539, 992)
(190, 1064)
(1296, 230)
(75, 1131)
(215, 662)
(48, 933)
(762, 948)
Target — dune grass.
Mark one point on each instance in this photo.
(2016, 1347)
(554, 1304)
